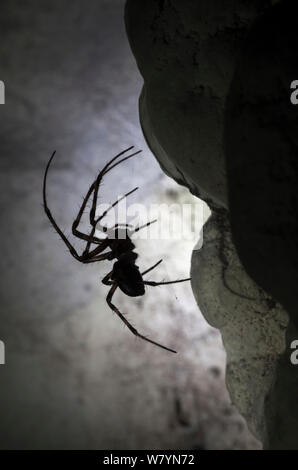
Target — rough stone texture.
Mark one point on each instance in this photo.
(252, 325)
(261, 143)
(262, 168)
(187, 54)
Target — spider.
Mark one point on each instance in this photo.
(125, 274)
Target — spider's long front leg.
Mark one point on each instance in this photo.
(85, 258)
(72, 250)
(105, 170)
(129, 326)
(78, 218)
(91, 235)
(94, 188)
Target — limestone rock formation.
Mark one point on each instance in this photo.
(206, 136)
(261, 149)
(251, 323)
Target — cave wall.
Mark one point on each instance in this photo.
(216, 113)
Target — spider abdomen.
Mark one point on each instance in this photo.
(128, 278)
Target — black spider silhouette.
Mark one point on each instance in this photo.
(125, 273)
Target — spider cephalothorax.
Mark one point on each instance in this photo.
(117, 245)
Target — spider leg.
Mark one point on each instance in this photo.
(94, 259)
(94, 188)
(152, 283)
(89, 242)
(107, 279)
(121, 225)
(108, 167)
(105, 170)
(72, 250)
(87, 255)
(113, 205)
(129, 326)
(84, 257)
(77, 220)
(143, 226)
(117, 156)
(90, 237)
(152, 267)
